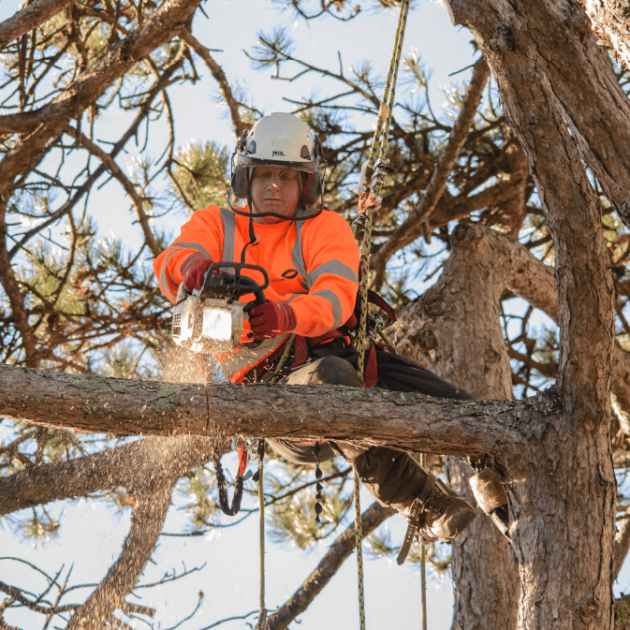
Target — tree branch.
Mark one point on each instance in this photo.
(111, 165)
(401, 420)
(147, 521)
(129, 466)
(327, 568)
(39, 127)
(412, 227)
(30, 18)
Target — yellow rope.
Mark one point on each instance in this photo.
(262, 615)
(358, 532)
(423, 565)
(380, 140)
(283, 359)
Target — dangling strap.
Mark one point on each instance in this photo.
(416, 512)
(238, 486)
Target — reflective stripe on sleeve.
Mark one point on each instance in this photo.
(329, 296)
(334, 267)
(229, 229)
(196, 246)
(163, 275)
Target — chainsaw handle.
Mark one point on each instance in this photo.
(242, 284)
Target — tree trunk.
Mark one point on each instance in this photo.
(462, 342)
(562, 490)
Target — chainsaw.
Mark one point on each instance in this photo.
(211, 319)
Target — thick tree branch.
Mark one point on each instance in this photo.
(407, 421)
(30, 18)
(412, 226)
(41, 126)
(128, 466)
(147, 520)
(327, 568)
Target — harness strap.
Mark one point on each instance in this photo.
(370, 375)
(415, 518)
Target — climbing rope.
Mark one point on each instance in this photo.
(370, 201)
(283, 359)
(423, 565)
(358, 532)
(262, 615)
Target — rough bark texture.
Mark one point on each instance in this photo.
(553, 42)
(30, 18)
(130, 466)
(406, 421)
(147, 521)
(611, 20)
(568, 472)
(454, 330)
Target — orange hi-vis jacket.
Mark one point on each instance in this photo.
(312, 264)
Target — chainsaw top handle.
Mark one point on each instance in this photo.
(220, 283)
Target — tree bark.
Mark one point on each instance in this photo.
(147, 520)
(130, 466)
(542, 58)
(30, 18)
(410, 422)
(462, 341)
(559, 55)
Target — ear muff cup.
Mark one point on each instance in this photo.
(239, 183)
(314, 192)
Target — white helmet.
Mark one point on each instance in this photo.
(280, 140)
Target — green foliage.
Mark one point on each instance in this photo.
(292, 518)
(199, 490)
(202, 175)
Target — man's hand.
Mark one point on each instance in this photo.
(193, 269)
(271, 319)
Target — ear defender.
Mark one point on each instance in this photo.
(239, 184)
(313, 193)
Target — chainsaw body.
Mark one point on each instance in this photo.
(211, 319)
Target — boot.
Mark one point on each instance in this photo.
(491, 498)
(437, 513)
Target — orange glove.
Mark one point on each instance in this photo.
(271, 319)
(193, 269)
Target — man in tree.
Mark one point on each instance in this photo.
(312, 261)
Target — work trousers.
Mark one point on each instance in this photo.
(391, 476)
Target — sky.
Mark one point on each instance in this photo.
(92, 533)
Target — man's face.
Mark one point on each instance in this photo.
(275, 189)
